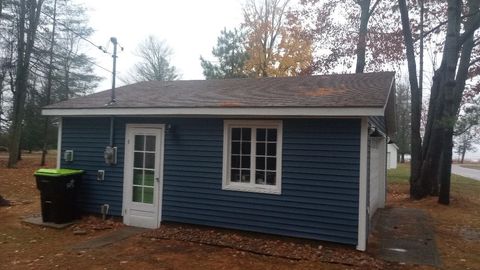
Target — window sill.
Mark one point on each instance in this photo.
(273, 190)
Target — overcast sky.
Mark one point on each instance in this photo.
(190, 27)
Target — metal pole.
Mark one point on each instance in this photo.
(114, 56)
(48, 89)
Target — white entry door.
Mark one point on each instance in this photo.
(143, 173)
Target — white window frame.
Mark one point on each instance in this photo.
(251, 187)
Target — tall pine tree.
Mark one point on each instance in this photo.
(230, 54)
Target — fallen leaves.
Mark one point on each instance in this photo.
(292, 249)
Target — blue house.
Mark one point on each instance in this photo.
(298, 156)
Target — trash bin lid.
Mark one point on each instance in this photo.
(56, 172)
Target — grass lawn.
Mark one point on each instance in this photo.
(457, 226)
(471, 166)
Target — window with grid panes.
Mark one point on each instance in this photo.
(252, 157)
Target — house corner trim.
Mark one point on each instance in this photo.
(59, 142)
(362, 205)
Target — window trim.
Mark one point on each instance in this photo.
(251, 187)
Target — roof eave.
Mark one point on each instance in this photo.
(276, 111)
(390, 110)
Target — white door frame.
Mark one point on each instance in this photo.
(126, 166)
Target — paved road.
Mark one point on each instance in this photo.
(466, 172)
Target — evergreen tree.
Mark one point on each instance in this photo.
(231, 56)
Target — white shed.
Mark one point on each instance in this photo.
(392, 156)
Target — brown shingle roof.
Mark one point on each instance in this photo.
(368, 90)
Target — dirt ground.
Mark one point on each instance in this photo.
(25, 246)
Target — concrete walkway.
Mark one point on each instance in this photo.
(108, 239)
(405, 235)
(466, 172)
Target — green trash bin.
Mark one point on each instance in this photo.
(58, 190)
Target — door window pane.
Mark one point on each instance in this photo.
(138, 160)
(144, 161)
(148, 195)
(149, 178)
(149, 160)
(150, 143)
(137, 177)
(137, 194)
(139, 142)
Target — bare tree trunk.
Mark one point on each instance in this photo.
(464, 151)
(441, 104)
(416, 189)
(446, 168)
(420, 75)
(362, 35)
(20, 92)
(48, 89)
(433, 135)
(447, 91)
(453, 97)
(24, 52)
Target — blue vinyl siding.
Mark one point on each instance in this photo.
(88, 137)
(320, 175)
(379, 122)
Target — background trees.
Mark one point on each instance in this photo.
(28, 15)
(154, 64)
(403, 111)
(272, 42)
(449, 30)
(353, 35)
(57, 68)
(230, 54)
(467, 128)
(277, 44)
(466, 141)
(431, 167)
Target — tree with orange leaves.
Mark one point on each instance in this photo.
(277, 45)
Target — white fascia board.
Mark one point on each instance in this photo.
(299, 112)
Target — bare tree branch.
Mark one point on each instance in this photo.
(372, 10)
